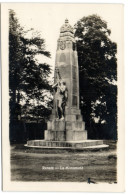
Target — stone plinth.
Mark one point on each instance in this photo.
(65, 135)
(72, 128)
(66, 144)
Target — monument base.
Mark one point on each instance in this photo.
(67, 144)
(65, 135)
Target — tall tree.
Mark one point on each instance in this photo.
(28, 79)
(98, 68)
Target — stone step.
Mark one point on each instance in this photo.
(73, 117)
(68, 111)
(55, 135)
(68, 117)
(56, 125)
(76, 135)
(65, 125)
(72, 111)
(67, 144)
(65, 135)
(77, 125)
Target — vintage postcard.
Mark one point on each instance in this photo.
(62, 97)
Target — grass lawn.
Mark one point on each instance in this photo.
(31, 164)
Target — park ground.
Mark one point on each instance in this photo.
(32, 164)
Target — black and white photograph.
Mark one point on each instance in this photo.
(62, 85)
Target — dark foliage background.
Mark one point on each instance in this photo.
(29, 86)
(98, 68)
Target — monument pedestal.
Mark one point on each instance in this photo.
(72, 128)
(67, 134)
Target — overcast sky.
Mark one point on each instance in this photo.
(48, 18)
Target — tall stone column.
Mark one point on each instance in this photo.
(72, 127)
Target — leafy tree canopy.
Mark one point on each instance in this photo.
(98, 68)
(28, 79)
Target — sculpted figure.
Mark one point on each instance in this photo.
(61, 97)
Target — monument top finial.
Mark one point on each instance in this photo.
(66, 21)
(66, 27)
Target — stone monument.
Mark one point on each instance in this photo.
(70, 127)
(66, 127)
